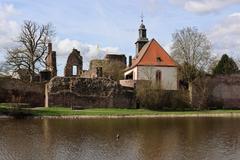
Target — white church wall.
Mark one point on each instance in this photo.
(169, 80)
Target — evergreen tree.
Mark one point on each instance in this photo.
(226, 66)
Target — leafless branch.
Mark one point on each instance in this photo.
(32, 48)
(192, 50)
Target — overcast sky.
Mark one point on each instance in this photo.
(113, 25)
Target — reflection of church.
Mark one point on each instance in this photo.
(152, 62)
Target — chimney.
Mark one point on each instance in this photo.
(130, 61)
(49, 48)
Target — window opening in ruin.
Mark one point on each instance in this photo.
(74, 70)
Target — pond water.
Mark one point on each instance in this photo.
(139, 139)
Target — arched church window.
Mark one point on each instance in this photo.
(158, 76)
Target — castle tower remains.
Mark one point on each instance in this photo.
(51, 61)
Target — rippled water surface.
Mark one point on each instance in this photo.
(141, 139)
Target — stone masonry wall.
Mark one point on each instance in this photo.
(116, 57)
(89, 92)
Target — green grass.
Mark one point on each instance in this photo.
(61, 111)
(92, 112)
(119, 112)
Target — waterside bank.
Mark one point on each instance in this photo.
(68, 113)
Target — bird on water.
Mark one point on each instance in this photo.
(117, 137)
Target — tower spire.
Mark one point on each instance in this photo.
(142, 39)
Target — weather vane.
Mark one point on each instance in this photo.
(142, 17)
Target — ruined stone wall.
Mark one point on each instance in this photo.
(112, 69)
(89, 92)
(74, 59)
(218, 92)
(96, 63)
(51, 61)
(108, 58)
(115, 57)
(16, 91)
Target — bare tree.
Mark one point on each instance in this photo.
(191, 49)
(31, 48)
(237, 60)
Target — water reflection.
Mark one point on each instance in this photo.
(144, 139)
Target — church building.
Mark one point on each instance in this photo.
(152, 62)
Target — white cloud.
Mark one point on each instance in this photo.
(225, 36)
(7, 10)
(64, 47)
(8, 28)
(204, 6)
(235, 14)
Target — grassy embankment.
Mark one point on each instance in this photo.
(5, 109)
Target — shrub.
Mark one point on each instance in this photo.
(151, 96)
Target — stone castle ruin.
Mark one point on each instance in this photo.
(89, 92)
(97, 66)
(77, 88)
(85, 88)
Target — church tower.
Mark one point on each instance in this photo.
(142, 40)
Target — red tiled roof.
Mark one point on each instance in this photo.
(148, 56)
